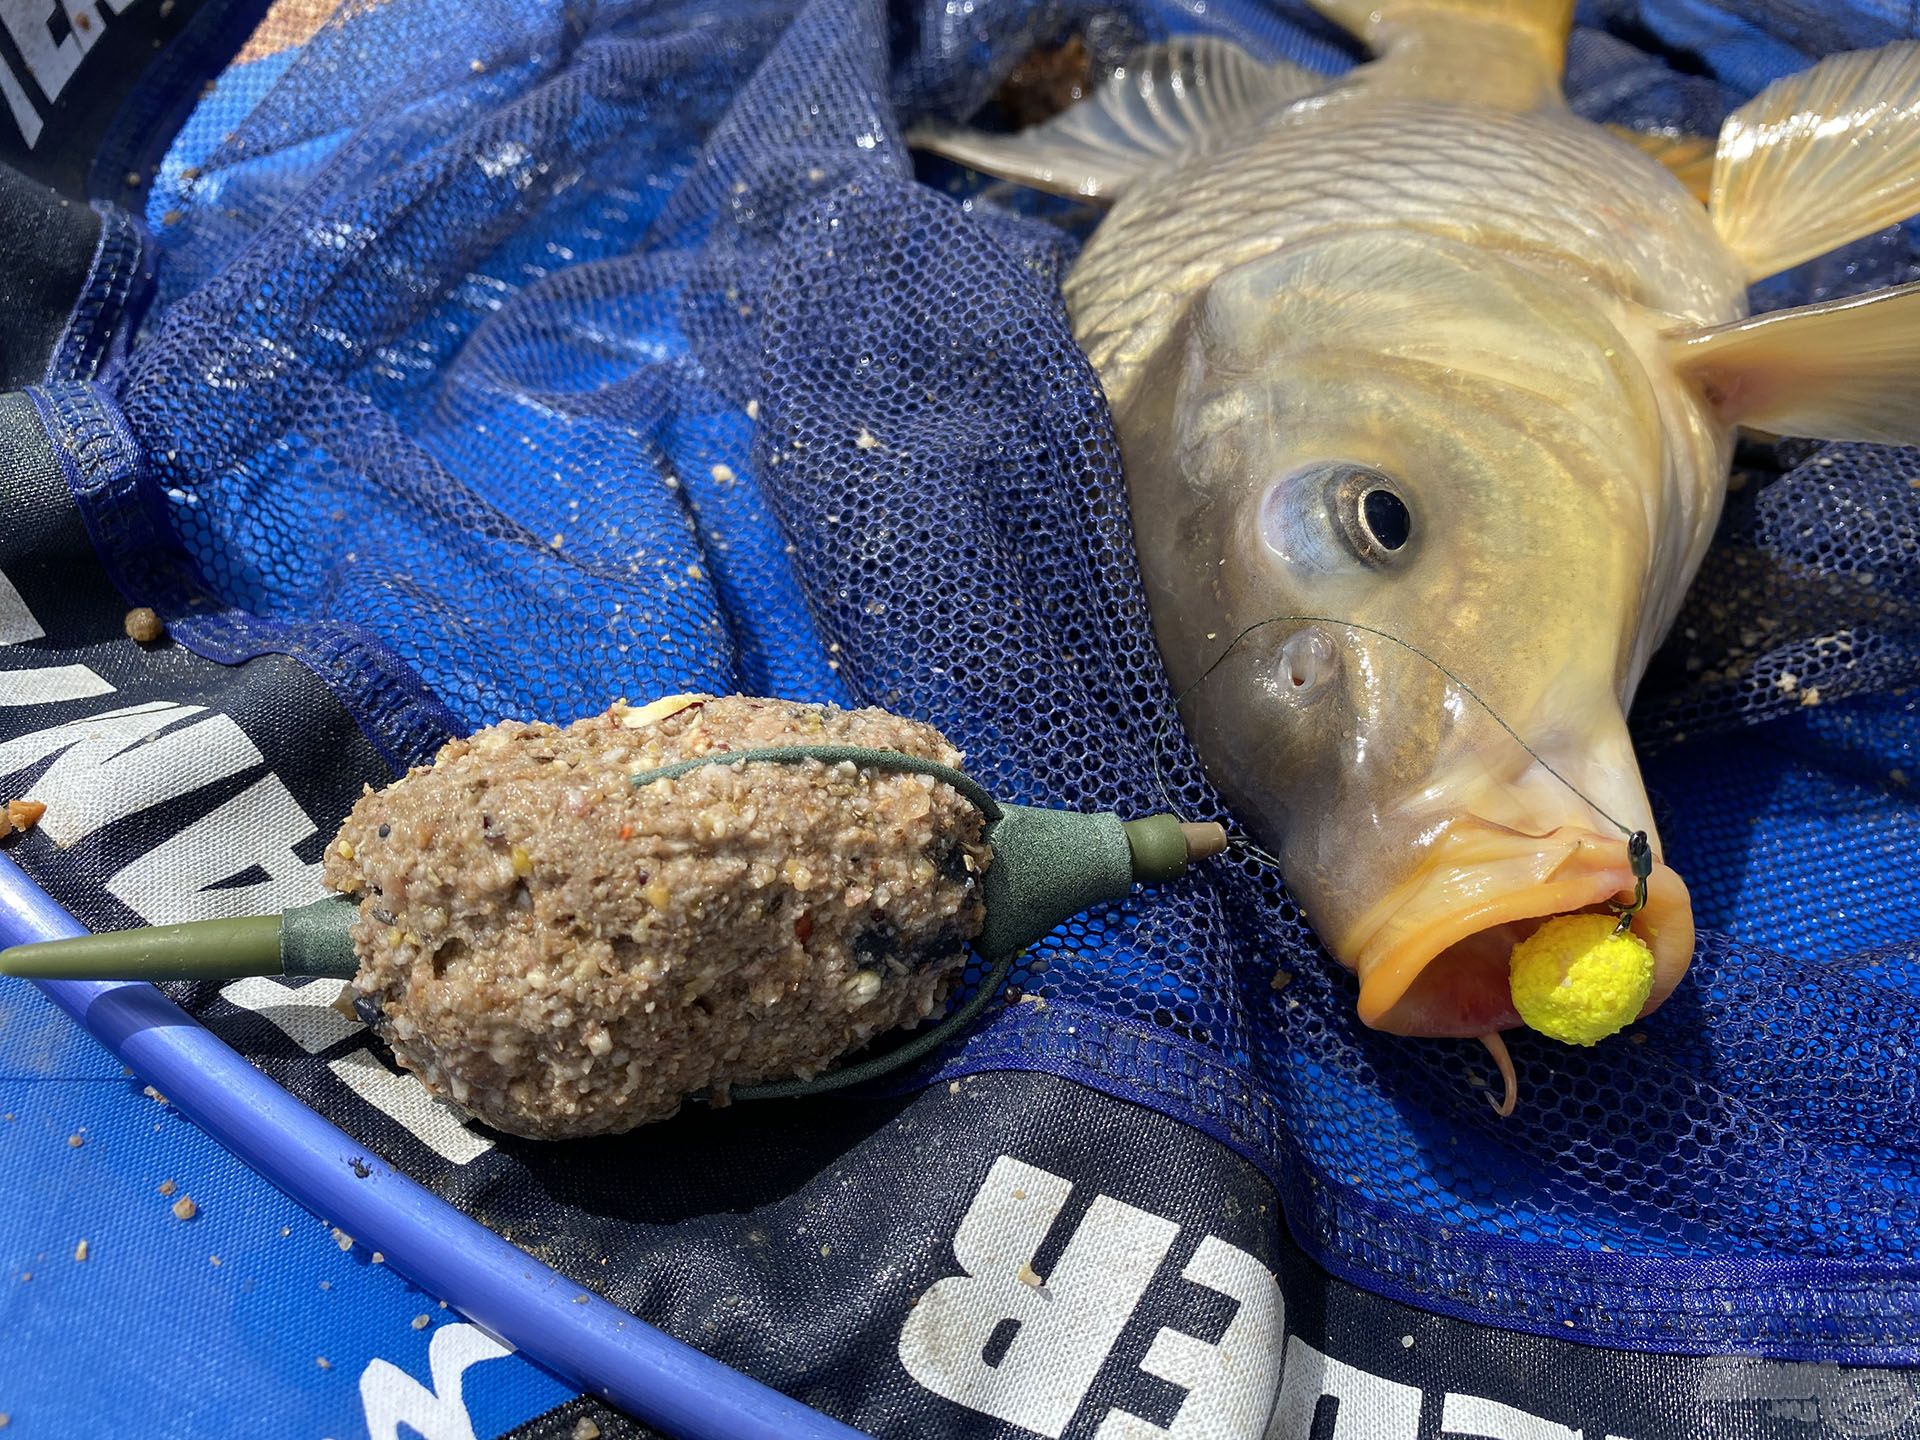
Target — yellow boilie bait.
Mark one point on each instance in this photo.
(1578, 981)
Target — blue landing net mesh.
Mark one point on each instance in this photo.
(577, 351)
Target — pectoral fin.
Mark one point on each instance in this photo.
(1688, 158)
(1842, 370)
(1820, 158)
(1168, 100)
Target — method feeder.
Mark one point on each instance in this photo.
(1047, 866)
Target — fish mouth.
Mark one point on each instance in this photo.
(1434, 955)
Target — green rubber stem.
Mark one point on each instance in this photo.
(310, 940)
(317, 939)
(1159, 848)
(896, 1059)
(199, 950)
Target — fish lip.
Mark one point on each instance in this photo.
(1564, 871)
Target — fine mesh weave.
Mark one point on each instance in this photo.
(582, 351)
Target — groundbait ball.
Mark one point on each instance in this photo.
(563, 952)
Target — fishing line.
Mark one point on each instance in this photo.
(1639, 847)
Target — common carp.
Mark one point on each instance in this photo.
(1447, 378)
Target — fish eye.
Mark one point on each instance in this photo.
(1374, 518)
(1324, 517)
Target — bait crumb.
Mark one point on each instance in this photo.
(583, 1299)
(342, 1239)
(144, 625)
(723, 474)
(478, 67)
(825, 1251)
(1281, 979)
(214, 1260)
(1810, 695)
(585, 1429)
(323, 1362)
(1026, 1276)
(184, 1208)
(20, 815)
(80, 1251)
(753, 409)
(76, 1141)
(326, 1284)
(953, 1087)
(865, 441)
(378, 1258)
(420, 1322)
(1406, 1342)
(166, 1187)
(154, 1095)
(1788, 682)
(285, 1231)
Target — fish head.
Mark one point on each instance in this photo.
(1398, 501)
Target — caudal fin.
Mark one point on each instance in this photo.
(1820, 158)
(1545, 23)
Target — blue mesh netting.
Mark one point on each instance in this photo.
(578, 351)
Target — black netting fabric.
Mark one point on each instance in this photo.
(568, 351)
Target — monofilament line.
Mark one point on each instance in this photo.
(1412, 649)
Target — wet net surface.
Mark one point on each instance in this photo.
(576, 352)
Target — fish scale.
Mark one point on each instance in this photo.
(1487, 177)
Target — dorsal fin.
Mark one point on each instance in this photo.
(1820, 158)
(1168, 100)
